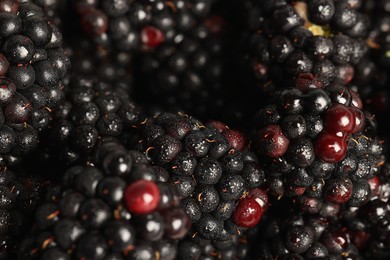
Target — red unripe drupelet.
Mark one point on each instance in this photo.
(250, 209)
(142, 197)
(330, 148)
(339, 118)
(151, 37)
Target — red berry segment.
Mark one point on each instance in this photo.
(142, 197)
(360, 120)
(94, 22)
(260, 196)
(308, 81)
(356, 101)
(235, 139)
(339, 119)
(247, 213)
(220, 126)
(272, 141)
(151, 36)
(249, 210)
(330, 148)
(338, 191)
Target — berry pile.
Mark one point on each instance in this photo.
(114, 137)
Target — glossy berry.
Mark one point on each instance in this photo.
(338, 191)
(247, 213)
(151, 36)
(272, 142)
(339, 119)
(330, 148)
(142, 197)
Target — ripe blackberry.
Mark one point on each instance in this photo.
(87, 60)
(368, 226)
(114, 208)
(299, 236)
(288, 38)
(187, 74)
(32, 67)
(372, 77)
(217, 178)
(20, 196)
(141, 25)
(92, 110)
(197, 248)
(317, 143)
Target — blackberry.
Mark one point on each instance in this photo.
(187, 74)
(21, 194)
(372, 78)
(287, 38)
(102, 211)
(321, 146)
(217, 177)
(138, 26)
(198, 248)
(300, 236)
(87, 60)
(92, 110)
(33, 65)
(368, 226)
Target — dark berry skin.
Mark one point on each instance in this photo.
(298, 239)
(67, 232)
(191, 208)
(189, 249)
(7, 90)
(166, 149)
(176, 223)
(23, 75)
(184, 185)
(10, 24)
(91, 246)
(150, 226)
(208, 171)
(94, 213)
(111, 190)
(120, 235)
(301, 152)
(294, 126)
(209, 227)
(231, 187)
(321, 11)
(18, 49)
(206, 197)
(335, 241)
(18, 109)
(360, 194)
(338, 191)
(272, 142)
(38, 30)
(317, 101)
(94, 22)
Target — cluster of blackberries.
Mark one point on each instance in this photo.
(114, 137)
(287, 38)
(32, 67)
